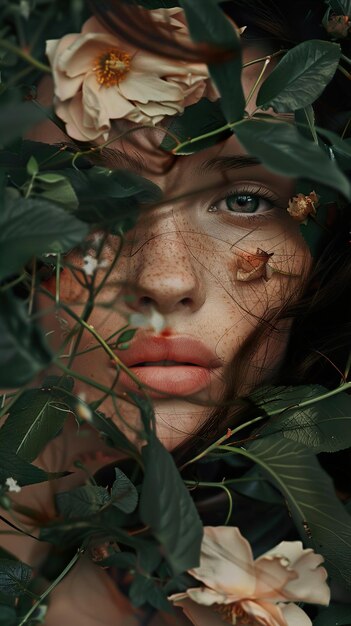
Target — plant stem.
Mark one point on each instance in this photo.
(212, 133)
(7, 45)
(346, 59)
(257, 82)
(51, 587)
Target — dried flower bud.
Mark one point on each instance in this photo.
(338, 26)
(253, 266)
(301, 206)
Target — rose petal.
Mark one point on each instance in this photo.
(294, 616)
(200, 615)
(203, 595)
(310, 583)
(72, 114)
(115, 105)
(272, 575)
(79, 57)
(226, 563)
(264, 613)
(147, 87)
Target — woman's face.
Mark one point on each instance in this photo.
(219, 255)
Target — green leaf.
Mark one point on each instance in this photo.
(334, 615)
(13, 466)
(322, 426)
(282, 149)
(145, 590)
(147, 412)
(81, 501)
(16, 118)
(123, 493)
(14, 577)
(8, 616)
(320, 517)
(300, 77)
(198, 119)
(58, 189)
(30, 227)
(23, 347)
(167, 507)
(112, 434)
(340, 7)
(34, 420)
(32, 166)
(212, 26)
(126, 336)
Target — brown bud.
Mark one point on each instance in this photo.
(253, 266)
(338, 26)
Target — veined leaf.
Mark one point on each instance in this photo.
(340, 7)
(322, 426)
(34, 419)
(14, 577)
(167, 507)
(300, 76)
(12, 466)
(81, 501)
(320, 517)
(123, 493)
(282, 149)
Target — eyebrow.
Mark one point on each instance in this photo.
(228, 162)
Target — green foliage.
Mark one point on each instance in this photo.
(30, 227)
(34, 419)
(340, 7)
(82, 502)
(300, 77)
(284, 150)
(213, 27)
(23, 346)
(166, 506)
(322, 426)
(145, 590)
(321, 519)
(8, 616)
(198, 119)
(123, 493)
(14, 577)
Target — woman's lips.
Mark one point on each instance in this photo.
(178, 365)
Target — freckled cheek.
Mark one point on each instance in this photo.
(69, 289)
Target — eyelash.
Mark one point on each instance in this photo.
(248, 190)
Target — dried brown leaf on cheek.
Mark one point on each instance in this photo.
(253, 266)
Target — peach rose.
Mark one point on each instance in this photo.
(301, 206)
(99, 78)
(238, 590)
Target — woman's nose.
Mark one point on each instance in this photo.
(164, 274)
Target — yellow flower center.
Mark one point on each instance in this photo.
(111, 67)
(234, 614)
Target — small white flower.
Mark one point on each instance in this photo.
(154, 319)
(91, 264)
(12, 484)
(84, 411)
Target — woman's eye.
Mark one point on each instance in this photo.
(243, 203)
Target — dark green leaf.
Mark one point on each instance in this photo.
(167, 507)
(323, 426)
(16, 118)
(320, 517)
(82, 501)
(147, 412)
(7, 616)
(14, 577)
(13, 466)
(334, 615)
(213, 27)
(23, 347)
(198, 119)
(29, 227)
(300, 77)
(126, 336)
(146, 591)
(32, 166)
(112, 434)
(58, 189)
(340, 7)
(123, 493)
(34, 420)
(123, 560)
(282, 149)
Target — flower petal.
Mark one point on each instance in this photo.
(200, 615)
(226, 563)
(115, 105)
(147, 87)
(264, 613)
(294, 616)
(72, 114)
(79, 57)
(309, 584)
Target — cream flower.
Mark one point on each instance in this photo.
(301, 206)
(238, 590)
(99, 77)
